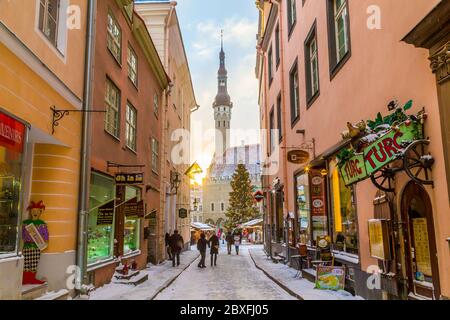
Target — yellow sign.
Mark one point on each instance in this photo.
(379, 239)
(422, 246)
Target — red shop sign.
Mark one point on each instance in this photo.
(318, 194)
(12, 133)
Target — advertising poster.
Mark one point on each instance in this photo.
(330, 278)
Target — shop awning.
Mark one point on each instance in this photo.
(252, 223)
(201, 226)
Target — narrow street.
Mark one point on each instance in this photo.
(234, 278)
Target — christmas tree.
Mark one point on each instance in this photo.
(241, 204)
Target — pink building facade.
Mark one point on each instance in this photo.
(323, 67)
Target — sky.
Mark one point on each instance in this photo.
(201, 22)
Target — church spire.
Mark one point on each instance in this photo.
(222, 98)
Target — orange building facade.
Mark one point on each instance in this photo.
(41, 67)
(323, 68)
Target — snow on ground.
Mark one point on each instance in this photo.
(234, 278)
(302, 287)
(159, 276)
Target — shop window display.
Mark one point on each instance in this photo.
(345, 228)
(132, 224)
(303, 207)
(100, 230)
(12, 140)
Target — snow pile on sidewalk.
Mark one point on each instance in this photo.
(302, 287)
(159, 276)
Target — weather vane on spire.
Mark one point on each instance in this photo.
(221, 39)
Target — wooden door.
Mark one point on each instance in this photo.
(420, 242)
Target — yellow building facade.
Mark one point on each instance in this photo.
(41, 67)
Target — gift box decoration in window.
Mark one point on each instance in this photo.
(35, 238)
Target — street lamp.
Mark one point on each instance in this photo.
(175, 181)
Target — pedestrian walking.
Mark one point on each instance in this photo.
(201, 246)
(168, 250)
(176, 244)
(229, 239)
(237, 241)
(214, 244)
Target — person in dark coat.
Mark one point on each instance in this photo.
(237, 240)
(168, 250)
(229, 239)
(201, 246)
(214, 244)
(176, 244)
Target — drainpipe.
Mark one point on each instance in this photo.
(284, 117)
(83, 204)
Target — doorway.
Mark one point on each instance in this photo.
(419, 242)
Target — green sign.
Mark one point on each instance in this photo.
(354, 169)
(182, 213)
(386, 149)
(379, 153)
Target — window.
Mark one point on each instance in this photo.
(222, 206)
(49, 19)
(272, 131)
(12, 145)
(270, 65)
(155, 155)
(341, 28)
(131, 231)
(292, 14)
(277, 45)
(114, 40)
(279, 118)
(212, 207)
(311, 66)
(131, 127)
(345, 226)
(294, 91)
(303, 207)
(112, 101)
(132, 66)
(155, 104)
(338, 34)
(101, 218)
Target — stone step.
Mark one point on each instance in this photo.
(136, 280)
(60, 295)
(33, 291)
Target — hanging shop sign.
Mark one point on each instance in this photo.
(379, 239)
(105, 214)
(134, 208)
(298, 156)
(12, 133)
(330, 278)
(182, 213)
(128, 179)
(380, 143)
(258, 196)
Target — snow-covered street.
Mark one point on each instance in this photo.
(234, 278)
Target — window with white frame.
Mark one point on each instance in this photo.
(112, 104)
(341, 28)
(155, 155)
(132, 66)
(49, 19)
(155, 104)
(114, 40)
(131, 127)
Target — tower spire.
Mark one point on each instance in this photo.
(221, 40)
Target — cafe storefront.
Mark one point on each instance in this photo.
(391, 153)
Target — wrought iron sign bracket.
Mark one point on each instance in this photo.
(110, 164)
(308, 145)
(58, 115)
